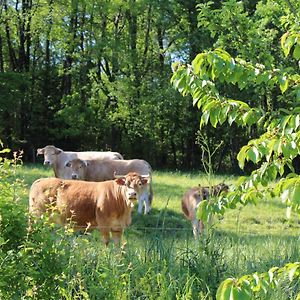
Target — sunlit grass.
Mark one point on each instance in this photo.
(161, 256)
(268, 217)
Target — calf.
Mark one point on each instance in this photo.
(57, 158)
(107, 205)
(191, 200)
(101, 170)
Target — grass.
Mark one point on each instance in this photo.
(161, 259)
(267, 218)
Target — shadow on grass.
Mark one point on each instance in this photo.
(171, 191)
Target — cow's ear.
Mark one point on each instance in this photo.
(68, 164)
(145, 180)
(87, 163)
(58, 151)
(120, 181)
(40, 151)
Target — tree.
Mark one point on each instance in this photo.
(275, 149)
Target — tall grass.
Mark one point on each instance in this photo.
(161, 260)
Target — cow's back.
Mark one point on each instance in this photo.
(61, 171)
(42, 193)
(87, 155)
(102, 170)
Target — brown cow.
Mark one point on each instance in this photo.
(191, 200)
(107, 205)
(57, 158)
(101, 170)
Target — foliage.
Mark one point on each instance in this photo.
(274, 151)
(97, 70)
(100, 70)
(248, 286)
(12, 217)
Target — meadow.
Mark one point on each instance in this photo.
(161, 259)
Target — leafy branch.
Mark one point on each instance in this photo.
(248, 286)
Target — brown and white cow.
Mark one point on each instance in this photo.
(101, 170)
(57, 158)
(106, 205)
(191, 200)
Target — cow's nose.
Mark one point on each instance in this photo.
(46, 162)
(74, 176)
(132, 195)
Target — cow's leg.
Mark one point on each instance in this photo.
(147, 206)
(116, 235)
(141, 202)
(147, 203)
(144, 199)
(105, 235)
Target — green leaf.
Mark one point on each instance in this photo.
(197, 62)
(214, 117)
(6, 150)
(204, 118)
(296, 53)
(285, 48)
(223, 113)
(249, 118)
(224, 290)
(292, 272)
(253, 154)
(283, 83)
(242, 156)
(232, 116)
(202, 211)
(295, 194)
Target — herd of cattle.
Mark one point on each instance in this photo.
(99, 189)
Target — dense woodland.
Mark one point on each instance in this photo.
(91, 75)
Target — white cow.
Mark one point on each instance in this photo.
(57, 158)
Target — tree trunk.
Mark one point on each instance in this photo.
(67, 65)
(11, 52)
(1, 56)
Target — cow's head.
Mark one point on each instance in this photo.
(50, 154)
(220, 188)
(215, 190)
(134, 184)
(78, 168)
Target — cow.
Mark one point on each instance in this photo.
(57, 158)
(106, 205)
(191, 200)
(101, 170)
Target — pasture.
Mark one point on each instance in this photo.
(161, 259)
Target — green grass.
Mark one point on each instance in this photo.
(161, 259)
(267, 218)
